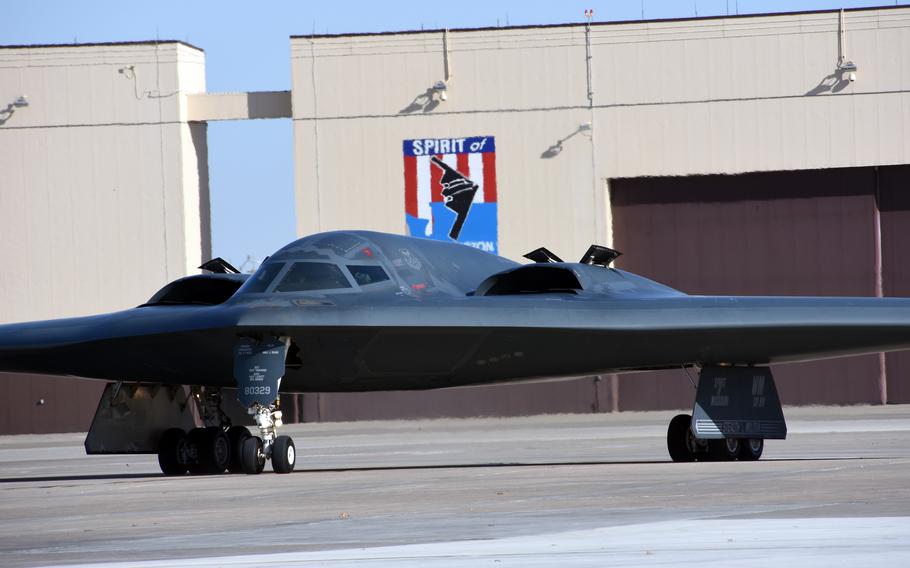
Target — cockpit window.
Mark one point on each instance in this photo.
(367, 274)
(263, 277)
(312, 276)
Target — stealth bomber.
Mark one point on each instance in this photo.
(356, 311)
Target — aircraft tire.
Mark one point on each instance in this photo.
(678, 435)
(726, 449)
(284, 455)
(213, 450)
(751, 449)
(236, 436)
(251, 459)
(171, 448)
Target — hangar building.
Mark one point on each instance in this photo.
(745, 155)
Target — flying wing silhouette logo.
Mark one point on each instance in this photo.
(457, 194)
(450, 190)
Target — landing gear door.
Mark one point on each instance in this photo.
(737, 402)
(258, 368)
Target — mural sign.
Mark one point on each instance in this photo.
(450, 190)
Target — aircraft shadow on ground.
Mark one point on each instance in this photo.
(152, 476)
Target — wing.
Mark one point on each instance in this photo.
(358, 342)
(493, 339)
(172, 345)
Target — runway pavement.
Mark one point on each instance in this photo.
(569, 490)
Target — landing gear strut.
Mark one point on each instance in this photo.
(256, 449)
(259, 365)
(220, 446)
(736, 409)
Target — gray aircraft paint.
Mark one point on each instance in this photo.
(423, 328)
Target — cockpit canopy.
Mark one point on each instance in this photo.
(315, 275)
(354, 261)
(346, 262)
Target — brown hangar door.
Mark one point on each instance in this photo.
(833, 232)
(38, 404)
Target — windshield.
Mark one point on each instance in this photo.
(262, 279)
(367, 274)
(312, 276)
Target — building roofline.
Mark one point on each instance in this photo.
(103, 44)
(609, 23)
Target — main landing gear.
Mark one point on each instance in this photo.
(736, 409)
(685, 447)
(221, 447)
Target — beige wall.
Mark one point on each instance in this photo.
(720, 95)
(100, 200)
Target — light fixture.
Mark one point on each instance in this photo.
(849, 68)
(846, 68)
(439, 87)
(21, 101)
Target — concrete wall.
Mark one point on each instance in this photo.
(100, 200)
(714, 95)
(103, 194)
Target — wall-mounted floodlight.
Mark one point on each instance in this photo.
(848, 68)
(439, 87)
(21, 101)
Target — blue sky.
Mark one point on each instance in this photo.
(247, 49)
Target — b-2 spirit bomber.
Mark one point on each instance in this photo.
(355, 311)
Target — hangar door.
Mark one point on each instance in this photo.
(809, 232)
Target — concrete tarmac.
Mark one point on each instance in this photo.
(568, 490)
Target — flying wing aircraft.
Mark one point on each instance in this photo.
(354, 311)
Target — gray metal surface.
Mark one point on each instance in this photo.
(737, 402)
(422, 328)
(837, 490)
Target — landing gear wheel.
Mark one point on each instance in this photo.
(172, 452)
(251, 458)
(726, 449)
(680, 440)
(284, 455)
(236, 436)
(213, 450)
(751, 449)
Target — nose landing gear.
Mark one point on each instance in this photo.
(256, 450)
(259, 365)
